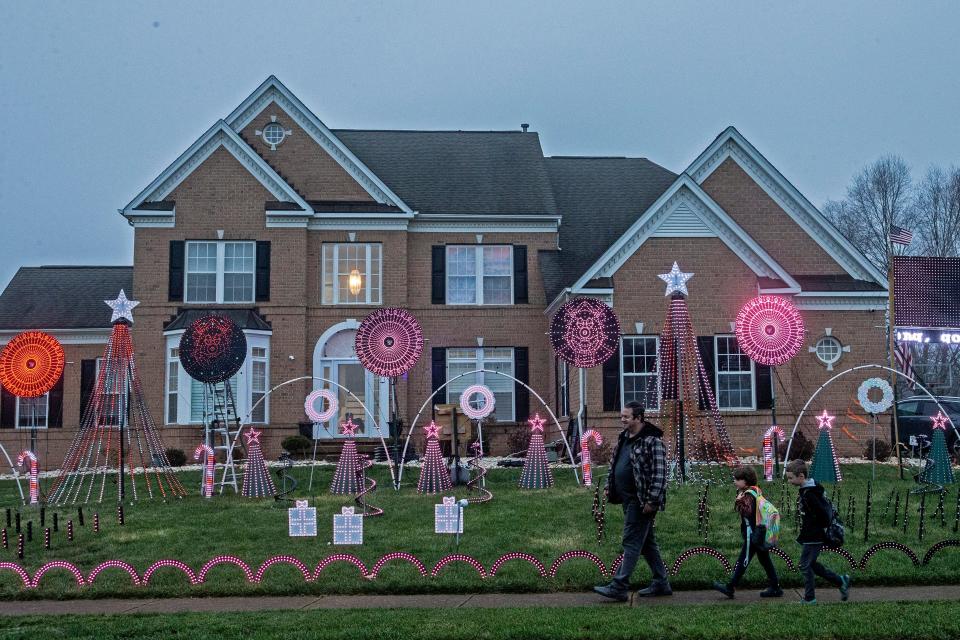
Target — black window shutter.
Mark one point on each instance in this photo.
(520, 275)
(263, 271)
(8, 409)
(439, 373)
(88, 377)
(55, 405)
(764, 386)
(438, 275)
(706, 348)
(611, 382)
(521, 395)
(177, 257)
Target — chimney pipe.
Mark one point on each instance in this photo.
(524, 127)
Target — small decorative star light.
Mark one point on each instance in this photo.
(676, 280)
(122, 308)
(939, 421)
(432, 430)
(349, 427)
(251, 436)
(825, 420)
(536, 423)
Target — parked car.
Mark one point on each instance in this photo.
(914, 417)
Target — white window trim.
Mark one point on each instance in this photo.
(244, 381)
(479, 361)
(168, 360)
(816, 350)
(478, 276)
(717, 374)
(336, 281)
(563, 375)
(656, 373)
(221, 255)
(46, 418)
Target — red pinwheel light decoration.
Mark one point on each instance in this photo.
(769, 329)
(389, 342)
(212, 349)
(585, 332)
(31, 364)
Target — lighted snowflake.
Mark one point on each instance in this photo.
(389, 342)
(585, 332)
(770, 330)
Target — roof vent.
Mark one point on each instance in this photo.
(524, 127)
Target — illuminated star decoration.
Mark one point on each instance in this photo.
(825, 420)
(536, 423)
(349, 427)
(939, 421)
(122, 308)
(676, 280)
(251, 436)
(432, 430)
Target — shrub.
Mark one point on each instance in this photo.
(882, 447)
(802, 448)
(297, 445)
(517, 439)
(601, 454)
(176, 457)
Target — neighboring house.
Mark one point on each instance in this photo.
(480, 236)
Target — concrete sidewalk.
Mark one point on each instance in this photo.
(479, 600)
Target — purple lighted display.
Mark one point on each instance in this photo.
(389, 342)
(770, 330)
(585, 332)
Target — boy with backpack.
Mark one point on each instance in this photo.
(819, 526)
(760, 527)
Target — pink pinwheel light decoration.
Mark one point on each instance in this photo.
(389, 342)
(769, 329)
(585, 332)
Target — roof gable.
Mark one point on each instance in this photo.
(217, 136)
(731, 144)
(272, 90)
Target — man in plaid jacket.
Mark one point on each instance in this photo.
(638, 481)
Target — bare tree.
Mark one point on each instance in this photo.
(938, 212)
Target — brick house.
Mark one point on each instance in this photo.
(479, 235)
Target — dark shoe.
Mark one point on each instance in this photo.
(723, 588)
(612, 592)
(844, 587)
(772, 592)
(654, 591)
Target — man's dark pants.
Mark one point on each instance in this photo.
(638, 540)
(809, 567)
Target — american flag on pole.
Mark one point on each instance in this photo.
(899, 235)
(904, 361)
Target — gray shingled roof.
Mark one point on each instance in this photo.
(243, 318)
(65, 297)
(479, 172)
(599, 198)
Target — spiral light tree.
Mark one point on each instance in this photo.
(477, 402)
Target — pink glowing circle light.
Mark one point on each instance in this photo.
(310, 405)
(389, 342)
(485, 409)
(585, 332)
(770, 330)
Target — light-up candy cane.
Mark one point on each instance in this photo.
(768, 451)
(34, 474)
(205, 451)
(585, 454)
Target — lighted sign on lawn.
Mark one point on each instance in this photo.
(928, 336)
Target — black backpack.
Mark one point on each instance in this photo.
(833, 533)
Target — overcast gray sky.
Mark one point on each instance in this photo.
(96, 98)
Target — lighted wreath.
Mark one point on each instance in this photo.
(485, 409)
(769, 329)
(875, 406)
(323, 415)
(31, 364)
(389, 342)
(585, 332)
(212, 349)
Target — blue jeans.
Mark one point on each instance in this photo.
(810, 567)
(638, 539)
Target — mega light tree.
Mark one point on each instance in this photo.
(117, 433)
(257, 482)
(699, 443)
(825, 467)
(346, 479)
(536, 472)
(434, 476)
(939, 469)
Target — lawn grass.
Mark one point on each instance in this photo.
(869, 621)
(542, 523)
